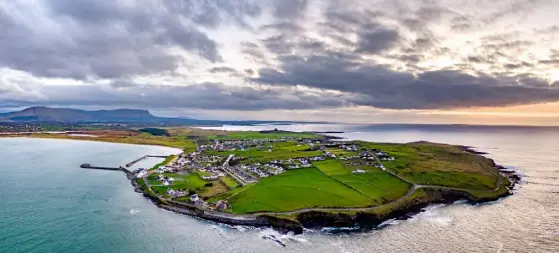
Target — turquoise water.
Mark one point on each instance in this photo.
(49, 204)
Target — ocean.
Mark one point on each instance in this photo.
(49, 204)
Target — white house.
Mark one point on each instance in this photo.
(194, 197)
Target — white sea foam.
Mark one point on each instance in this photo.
(432, 214)
(241, 228)
(283, 238)
(388, 223)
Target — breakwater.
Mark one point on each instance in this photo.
(128, 165)
(129, 174)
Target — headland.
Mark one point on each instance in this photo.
(292, 181)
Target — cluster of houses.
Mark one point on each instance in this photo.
(220, 205)
(351, 147)
(265, 170)
(242, 145)
(141, 173)
(213, 173)
(165, 180)
(244, 173)
(256, 171)
(210, 166)
(196, 200)
(177, 193)
(224, 146)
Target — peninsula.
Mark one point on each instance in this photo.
(292, 181)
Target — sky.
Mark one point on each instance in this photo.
(376, 61)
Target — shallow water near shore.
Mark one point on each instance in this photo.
(49, 204)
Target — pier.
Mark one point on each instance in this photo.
(130, 164)
(89, 166)
(121, 168)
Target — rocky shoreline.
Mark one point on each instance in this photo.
(361, 220)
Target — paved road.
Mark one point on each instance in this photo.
(226, 169)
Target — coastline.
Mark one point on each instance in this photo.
(312, 219)
(359, 220)
(366, 218)
(86, 138)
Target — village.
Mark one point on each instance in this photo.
(242, 162)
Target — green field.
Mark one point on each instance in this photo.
(259, 135)
(329, 183)
(279, 151)
(341, 152)
(297, 189)
(331, 167)
(230, 182)
(164, 162)
(438, 164)
(375, 183)
(188, 182)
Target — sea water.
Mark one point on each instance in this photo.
(49, 204)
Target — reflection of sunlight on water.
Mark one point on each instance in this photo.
(134, 211)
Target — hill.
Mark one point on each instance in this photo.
(39, 114)
(76, 115)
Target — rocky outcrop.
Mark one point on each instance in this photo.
(365, 220)
(359, 220)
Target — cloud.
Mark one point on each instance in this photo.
(289, 9)
(213, 96)
(288, 54)
(97, 39)
(384, 88)
(222, 69)
(377, 41)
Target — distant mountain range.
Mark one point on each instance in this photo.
(132, 116)
(75, 115)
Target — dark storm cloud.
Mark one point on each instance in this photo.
(99, 39)
(385, 88)
(370, 56)
(199, 96)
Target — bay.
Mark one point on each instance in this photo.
(49, 204)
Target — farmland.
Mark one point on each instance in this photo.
(285, 173)
(297, 189)
(437, 164)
